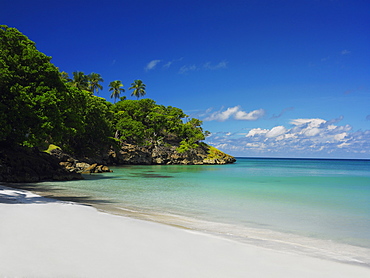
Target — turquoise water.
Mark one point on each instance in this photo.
(320, 207)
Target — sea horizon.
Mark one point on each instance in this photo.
(300, 158)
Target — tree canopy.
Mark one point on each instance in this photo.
(155, 124)
(33, 97)
(39, 105)
(80, 80)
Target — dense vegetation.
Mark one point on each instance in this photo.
(39, 105)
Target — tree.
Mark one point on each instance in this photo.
(93, 82)
(38, 105)
(145, 122)
(65, 77)
(95, 130)
(116, 88)
(191, 134)
(32, 94)
(128, 129)
(80, 80)
(139, 88)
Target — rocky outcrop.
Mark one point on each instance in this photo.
(30, 165)
(20, 164)
(164, 155)
(72, 164)
(130, 154)
(96, 168)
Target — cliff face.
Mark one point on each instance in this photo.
(165, 155)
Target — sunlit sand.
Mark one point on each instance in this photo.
(42, 237)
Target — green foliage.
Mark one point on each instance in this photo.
(65, 77)
(80, 80)
(51, 148)
(138, 88)
(116, 89)
(186, 146)
(145, 122)
(214, 153)
(93, 82)
(131, 120)
(32, 93)
(129, 129)
(40, 106)
(92, 117)
(85, 82)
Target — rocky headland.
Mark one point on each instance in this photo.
(165, 155)
(22, 164)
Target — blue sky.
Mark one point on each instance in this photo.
(268, 78)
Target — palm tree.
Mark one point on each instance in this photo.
(116, 88)
(139, 88)
(65, 77)
(94, 80)
(80, 80)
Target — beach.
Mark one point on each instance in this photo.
(41, 237)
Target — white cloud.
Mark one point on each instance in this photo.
(276, 131)
(220, 65)
(205, 66)
(311, 122)
(236, 113)
(256, 131)
(185, 69)
(251, 116)
(340, 136)
(224, 115)
(311, 131)
(343, 145)
(345, 52)
(256, 145)
(152, 64)
(304, 137)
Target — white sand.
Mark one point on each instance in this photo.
(41, 237)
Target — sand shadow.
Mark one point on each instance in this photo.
(48, 195)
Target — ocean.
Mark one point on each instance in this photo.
(317, 207)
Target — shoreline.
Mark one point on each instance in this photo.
(272, 240)
(324, 249)
(41, 237)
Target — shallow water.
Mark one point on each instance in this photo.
(316, 207)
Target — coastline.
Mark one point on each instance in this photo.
(42, 237)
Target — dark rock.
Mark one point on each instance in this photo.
(72, 164)
(21, 164)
